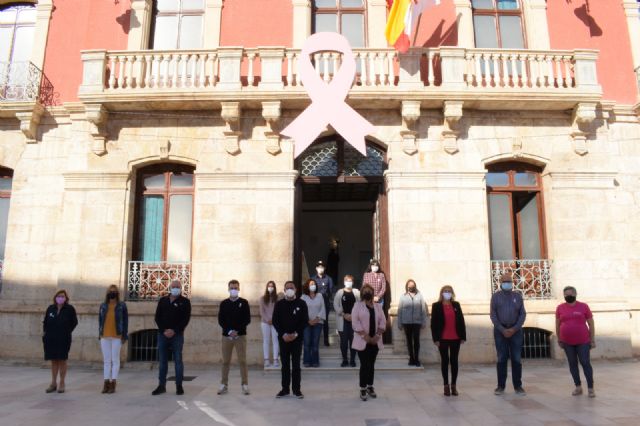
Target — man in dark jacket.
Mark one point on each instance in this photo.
(234, 316)
(290, 317)
(172, 317)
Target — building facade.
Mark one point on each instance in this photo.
(139, 142)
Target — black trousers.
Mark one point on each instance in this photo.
(325, 326)
(449, 350)
(290, 357)
(346, 339)
(367, 365)
(412, 331)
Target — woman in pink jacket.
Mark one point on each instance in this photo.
(368, 323)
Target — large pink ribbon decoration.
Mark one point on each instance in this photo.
(327, 100)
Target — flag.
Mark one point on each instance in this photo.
(402, 21)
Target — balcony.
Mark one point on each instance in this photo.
(481, 78)
(151, 280)
(22, 84)
(532, 278)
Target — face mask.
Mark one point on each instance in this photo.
(367, 296)
(507, 285)
(113, 295)
(569, 299)
(348, 284)
(320, 271)
(290, 293)
(175, 292)
(412, 289)
(446, 295)
(60, 300)
(374, 268)
(312, 288)
(269, 290)
(234, 293)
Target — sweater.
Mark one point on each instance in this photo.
(315, 307)
(173, 315)
(290, 316)
(412, 309)
(234, 315)
(337, 306)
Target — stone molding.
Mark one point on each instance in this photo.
(82, 181)
(582, 180)
(29, 121)
(247, 180)
(435, 180)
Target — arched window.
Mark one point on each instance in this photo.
(498, 24)
(516, 228)
(347, 17)
(163, 230)
(177, 24)
(6, 181)
(333, 157)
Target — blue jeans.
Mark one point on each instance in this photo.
(175, 345)
(311, 354)
(581, 353)
(509, 348)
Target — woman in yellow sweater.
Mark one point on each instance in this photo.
(113, 322)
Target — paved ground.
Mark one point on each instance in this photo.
(331, 398)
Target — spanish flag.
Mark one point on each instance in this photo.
(402, 20)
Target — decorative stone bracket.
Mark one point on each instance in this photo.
(97, 117)
(231, 115)
(29, 122)
(584, 114)
(452, 112)
(271, 112)
(410, 117)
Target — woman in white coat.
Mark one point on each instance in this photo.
(343, 303)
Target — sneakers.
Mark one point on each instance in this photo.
(223, 389)
(298, 394)
(245, 390)
(520, 391)
(160, 389)
(498, 391)
(276, 364)
(364, 394)
(592, 393)
(267, 364)
(371, 392)
(282, 393)
(577, 391)
(179, 390)
(344, 363)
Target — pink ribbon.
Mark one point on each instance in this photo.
(327, 100)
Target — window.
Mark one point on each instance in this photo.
(17, 24)
(177, 24)
(346, 17)
(164, 203)
(333, 157)
(143, 346)
(537, 343)
(515, 212)
(498, 24)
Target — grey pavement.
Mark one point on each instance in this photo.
(331, 398)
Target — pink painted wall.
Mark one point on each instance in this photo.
(252, 23)
(79, 25)
(437, 26)
(601, 25)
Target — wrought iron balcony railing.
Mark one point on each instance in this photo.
(151, 280)
(24, 82)
(532, 278)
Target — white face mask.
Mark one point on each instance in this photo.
(312, 288)
(374, 268)
(290, 293)
(446, 295)
(320, 271)
(269, 289)
(175, 291)
(234, 293)
(348, 284)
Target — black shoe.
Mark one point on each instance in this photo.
(417, 364)
(160, 389)
(282, 393)
(344, 363)
(411, 362)
(327, 343)
(363, 394)
(179, 390)
(298, 394)
(371, 392)
(352, 364)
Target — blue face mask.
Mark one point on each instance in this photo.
(507, 285)
(175, 292)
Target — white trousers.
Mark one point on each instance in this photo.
(269, 335)
(111, 355)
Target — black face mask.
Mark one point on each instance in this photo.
(113, 295)
(569, 299)
(367, 296)
(412, 289)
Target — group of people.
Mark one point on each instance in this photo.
(291, 323)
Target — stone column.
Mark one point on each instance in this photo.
(464, 17)
(301, 22)
(43, 16)
(212, 23)
(535, 17)
(633, 21)
(376, 23)
(139, 24)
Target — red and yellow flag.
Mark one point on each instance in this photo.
(402, 20)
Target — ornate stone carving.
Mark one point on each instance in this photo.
(271, 112)
(97, 117)
(452, 114)
(29, 122)
(410, 117)
(231, 115)
(584, 114)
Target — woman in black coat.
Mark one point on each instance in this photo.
(59, 321)
(449, 332)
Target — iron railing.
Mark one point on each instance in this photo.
(24, 82)
(531, 277)
(537, 343)
(151, 280)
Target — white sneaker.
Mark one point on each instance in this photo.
(267, 364)
(245, 389)
(276, 364)
(223, 389)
